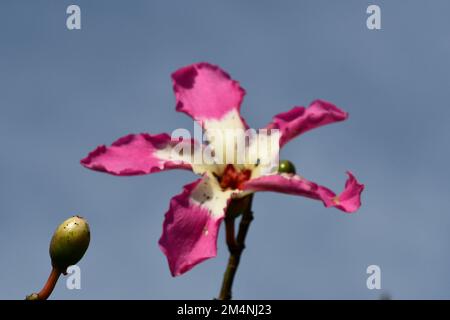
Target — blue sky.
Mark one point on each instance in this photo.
(65, 92)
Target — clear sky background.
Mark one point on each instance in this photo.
(64, 92)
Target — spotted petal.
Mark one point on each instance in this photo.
(300, 119)
(191, 224)
(349, 200)
(209, 95)
(138, 154)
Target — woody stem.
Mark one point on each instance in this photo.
(48, 287)
(235, 244)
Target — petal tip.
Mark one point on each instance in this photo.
(87, 161)
(350, 198)
(334, 110)
(184, 77)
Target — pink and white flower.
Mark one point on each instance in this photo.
(208, 94)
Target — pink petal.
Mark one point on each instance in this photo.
(137, 154)
(300, 119)
(349, 200)
(207, 93)
(191, 225)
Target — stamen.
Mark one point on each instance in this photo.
(232, 178)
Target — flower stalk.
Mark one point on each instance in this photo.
(48, 287)
(236, 244)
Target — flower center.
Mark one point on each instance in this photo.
(232, 178)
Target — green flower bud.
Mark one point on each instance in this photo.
(69, 243)
(286, 166)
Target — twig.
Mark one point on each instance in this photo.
(48, 287)
(235, 244)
